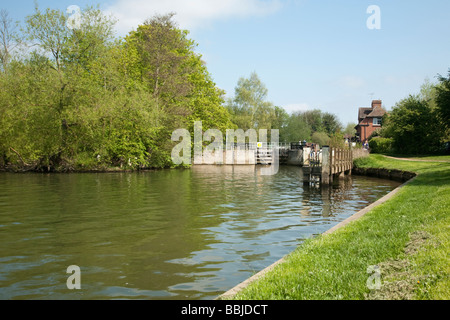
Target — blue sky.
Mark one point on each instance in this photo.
(309, 53)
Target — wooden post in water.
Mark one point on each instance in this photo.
(349, 159)
(326, 164)
(342, 163)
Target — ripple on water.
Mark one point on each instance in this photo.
(168, 234)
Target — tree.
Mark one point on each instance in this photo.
(48, 30)
(87, 45)
(29, 124)
(350, 129)
(160, 58)
(428, 93)
(331, 123)
(321, 138)
(249, 107)
(164, 57)
(314, 119)
(313, 125)
(206, 100)
(8, 38)
(443, 100)
(297, 129)
(280, 122)
(409, 125)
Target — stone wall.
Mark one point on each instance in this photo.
(392, 174)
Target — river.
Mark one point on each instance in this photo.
(165, 234)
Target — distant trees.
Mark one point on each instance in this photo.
(296, 129)
(350, 129)
(250, 109)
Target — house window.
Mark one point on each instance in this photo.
(377, 121)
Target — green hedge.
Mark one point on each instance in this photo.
(381, 145)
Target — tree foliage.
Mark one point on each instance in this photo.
(409, 125)
(249, 107)
(443, 100)
(251, 110)
(84, 99)
(417, 124)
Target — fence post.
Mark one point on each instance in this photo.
(326, 163)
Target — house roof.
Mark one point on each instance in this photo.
(371, 113)
(377, 112)
(364, 112)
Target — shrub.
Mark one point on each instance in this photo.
(381, 145)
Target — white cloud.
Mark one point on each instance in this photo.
(190, 14)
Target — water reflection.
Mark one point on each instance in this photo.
(169, 234)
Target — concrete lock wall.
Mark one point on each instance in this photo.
(239, 157)
(230, 157)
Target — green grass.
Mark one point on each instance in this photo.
(334, 266)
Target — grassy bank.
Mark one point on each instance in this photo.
(406, 238)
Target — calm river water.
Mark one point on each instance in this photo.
(169, 234)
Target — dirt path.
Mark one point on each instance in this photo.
(419, 160)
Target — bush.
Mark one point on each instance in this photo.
(320, 138)
(414, 126)
(381, 145)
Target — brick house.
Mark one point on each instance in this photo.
(369, 120)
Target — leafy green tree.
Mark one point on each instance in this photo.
(30, 126)
(280, 122)
(443, 100)
(206, 100)
(164, 57)
(331, 123)
(161, 58)
(428, 93)
(337, 140)
(297, 129)
(249, 107)
(321, 138)
(9, 39)
(48, 30)
(350, 129)
(87, 45)
(314, 120)
(409, 125)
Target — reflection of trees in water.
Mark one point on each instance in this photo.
(168, 231)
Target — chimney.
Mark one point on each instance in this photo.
(376, 104)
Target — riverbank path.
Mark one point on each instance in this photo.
(419, 160)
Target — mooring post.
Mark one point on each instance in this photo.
(350, 156)
(325, 175)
